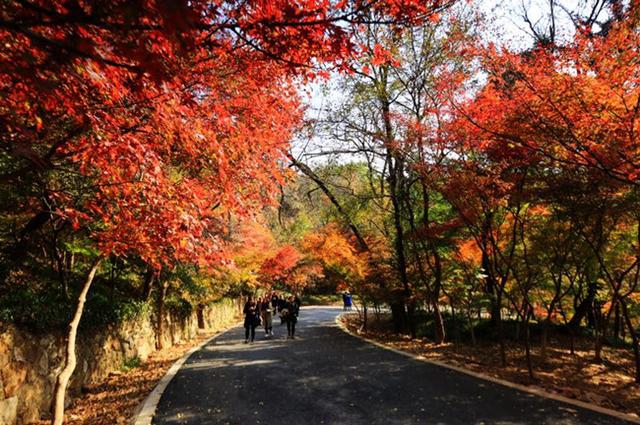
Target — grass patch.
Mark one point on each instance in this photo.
(131, 363)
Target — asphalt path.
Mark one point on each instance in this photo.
(326, 376)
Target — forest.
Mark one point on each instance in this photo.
(162, 154)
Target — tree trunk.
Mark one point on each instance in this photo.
(599, 327)
(70, 361)
(401, 265)
(396, 163)
(200, 316)
(456, 328)
(61, 266)
(471, 329)
(584, 308)
(544, 338)
(438, 324)
(490, 286)
(572, 348)
(160, 323)
(149, 277)
(634, 338)
(364, 321)
(503, 350)
(597, 349)
(527, 347)
(617, 322)
(398, 315)
(440, 332)
(306, 170)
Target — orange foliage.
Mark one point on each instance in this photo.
(468, 251)
(281, 265)
(332, 248)
(568, 106)
(173, 113)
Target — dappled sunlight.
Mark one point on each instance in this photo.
(332, 377)
(164, 163)
(222, 362)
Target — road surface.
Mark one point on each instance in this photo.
(326, 376)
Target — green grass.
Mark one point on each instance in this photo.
(321, 299)
(129, 364)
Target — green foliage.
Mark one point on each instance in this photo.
(309, 299)
(178, 306)
(103, 310)
(80, 246)
(39, 310)
(130, 363)
(46, 308)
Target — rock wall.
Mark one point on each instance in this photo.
(30, 363)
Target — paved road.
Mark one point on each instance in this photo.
(328, 377)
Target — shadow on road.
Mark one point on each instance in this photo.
(328, 377)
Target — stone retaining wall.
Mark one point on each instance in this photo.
(30, 363)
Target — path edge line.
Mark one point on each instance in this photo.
(150, 403)
(531, 390)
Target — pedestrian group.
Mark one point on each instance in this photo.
(261, 311)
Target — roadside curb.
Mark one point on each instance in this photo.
(147, 408)
(531, 390)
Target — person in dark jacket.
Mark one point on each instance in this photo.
(251, 319)
(282, 303)
(275, 301)
(291, 310)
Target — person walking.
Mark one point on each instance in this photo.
(266, 313)
(251, 319)
(282, 303)
(291, 310)
(346, 299)
(274, 302)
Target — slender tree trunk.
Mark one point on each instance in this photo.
(597, 349)
(490, 286)
(401, 264)
(397, 185)
(60, 266)
(440, 332)
(456, 328)
(599, 327)
(438, 324)
(617, 322)
(544, 340)
(149, 277)
(572, 348)
(527, 347)
(471, 329)
(70, 361)
(398, 315)
(364, 321)
(503, 350)
(634, 337)
(160, 324)
(200, 316)
(585, 307)
(306, 170)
